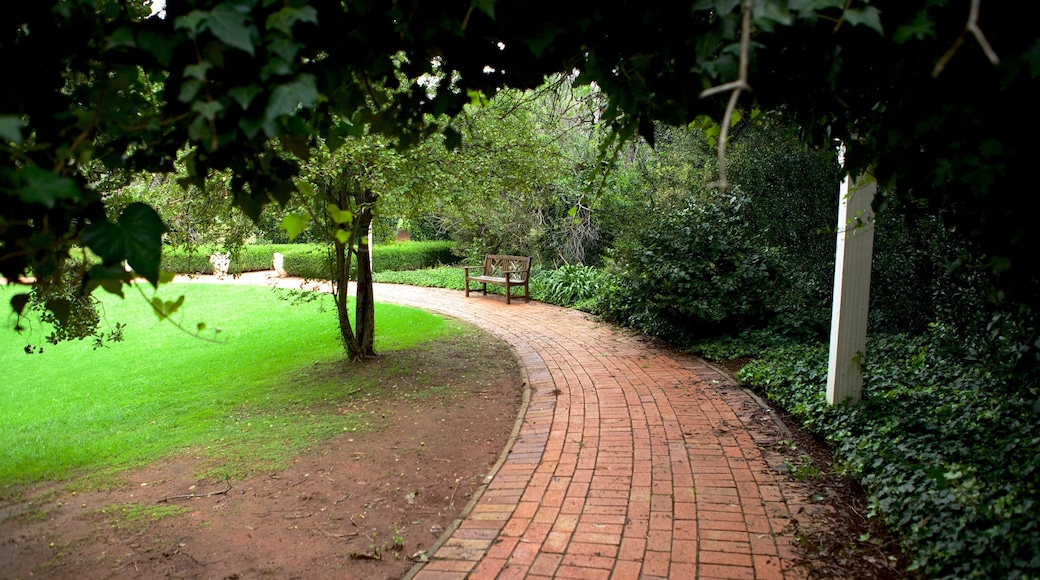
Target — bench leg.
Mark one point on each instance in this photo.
(485, 288)
(466, 281)
(507, 290)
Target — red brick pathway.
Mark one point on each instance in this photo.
(629, 462)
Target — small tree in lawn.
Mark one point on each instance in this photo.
(340, 190)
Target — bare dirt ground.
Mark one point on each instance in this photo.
(363, 505)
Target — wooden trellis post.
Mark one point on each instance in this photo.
(855, 247)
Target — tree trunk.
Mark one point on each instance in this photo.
(346, 329)
(365, 310)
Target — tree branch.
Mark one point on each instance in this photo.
(738, 86)
(972, 26)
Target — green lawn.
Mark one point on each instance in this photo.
(244, 399)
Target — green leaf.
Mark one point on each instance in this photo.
(286, 98)
(106, 240)
(867, 16)
(194, 22)
(768, 13)
(735, 118)
(121, 37)
(305, 188)
(922, 27)
(189, 89)
(485, 6)
(39, 186)
(244, 95)
(61, 308)
(136, 238)
(294, 225)
(197, 71)
(111, 278)
(229, 25)
(11, 128)
(343, 236)
(144, 230)
(340, 216)
(284, 19)
(208, 110)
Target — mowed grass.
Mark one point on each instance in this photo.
(243, 401)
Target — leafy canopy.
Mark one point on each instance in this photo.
(96, 87)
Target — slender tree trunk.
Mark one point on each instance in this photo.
(346, 330)
(365, 311)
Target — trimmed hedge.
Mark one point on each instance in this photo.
(306, 260)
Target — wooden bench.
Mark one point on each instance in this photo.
(509, 271)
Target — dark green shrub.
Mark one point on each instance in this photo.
(187, 260)
(309, 261)
(412, 256)
(694, 273)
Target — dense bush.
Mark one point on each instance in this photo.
(948, 447)
(694, 273)
(412, 256)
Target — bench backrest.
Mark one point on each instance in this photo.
(519, 267)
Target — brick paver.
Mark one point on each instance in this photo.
(629, 461)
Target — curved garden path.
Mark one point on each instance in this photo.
(628, 460)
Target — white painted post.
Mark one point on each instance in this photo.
(855, 247)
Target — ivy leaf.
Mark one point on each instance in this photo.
(197, 71)
(208, 110)
(39, 186)
(189, 89)
(111, 278)
(229, 25)
(106, 240)
(286, 98)
(868, 16)
(294, 225)
(144, 230)
(244, 95)
(11, 128)
(136, 237)
(61, 308)
(194, 22)
(767, 14)
(485, 6)
(545, 36)
(922, 27)
(121, 37)
(284, 19)
(342, 236)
